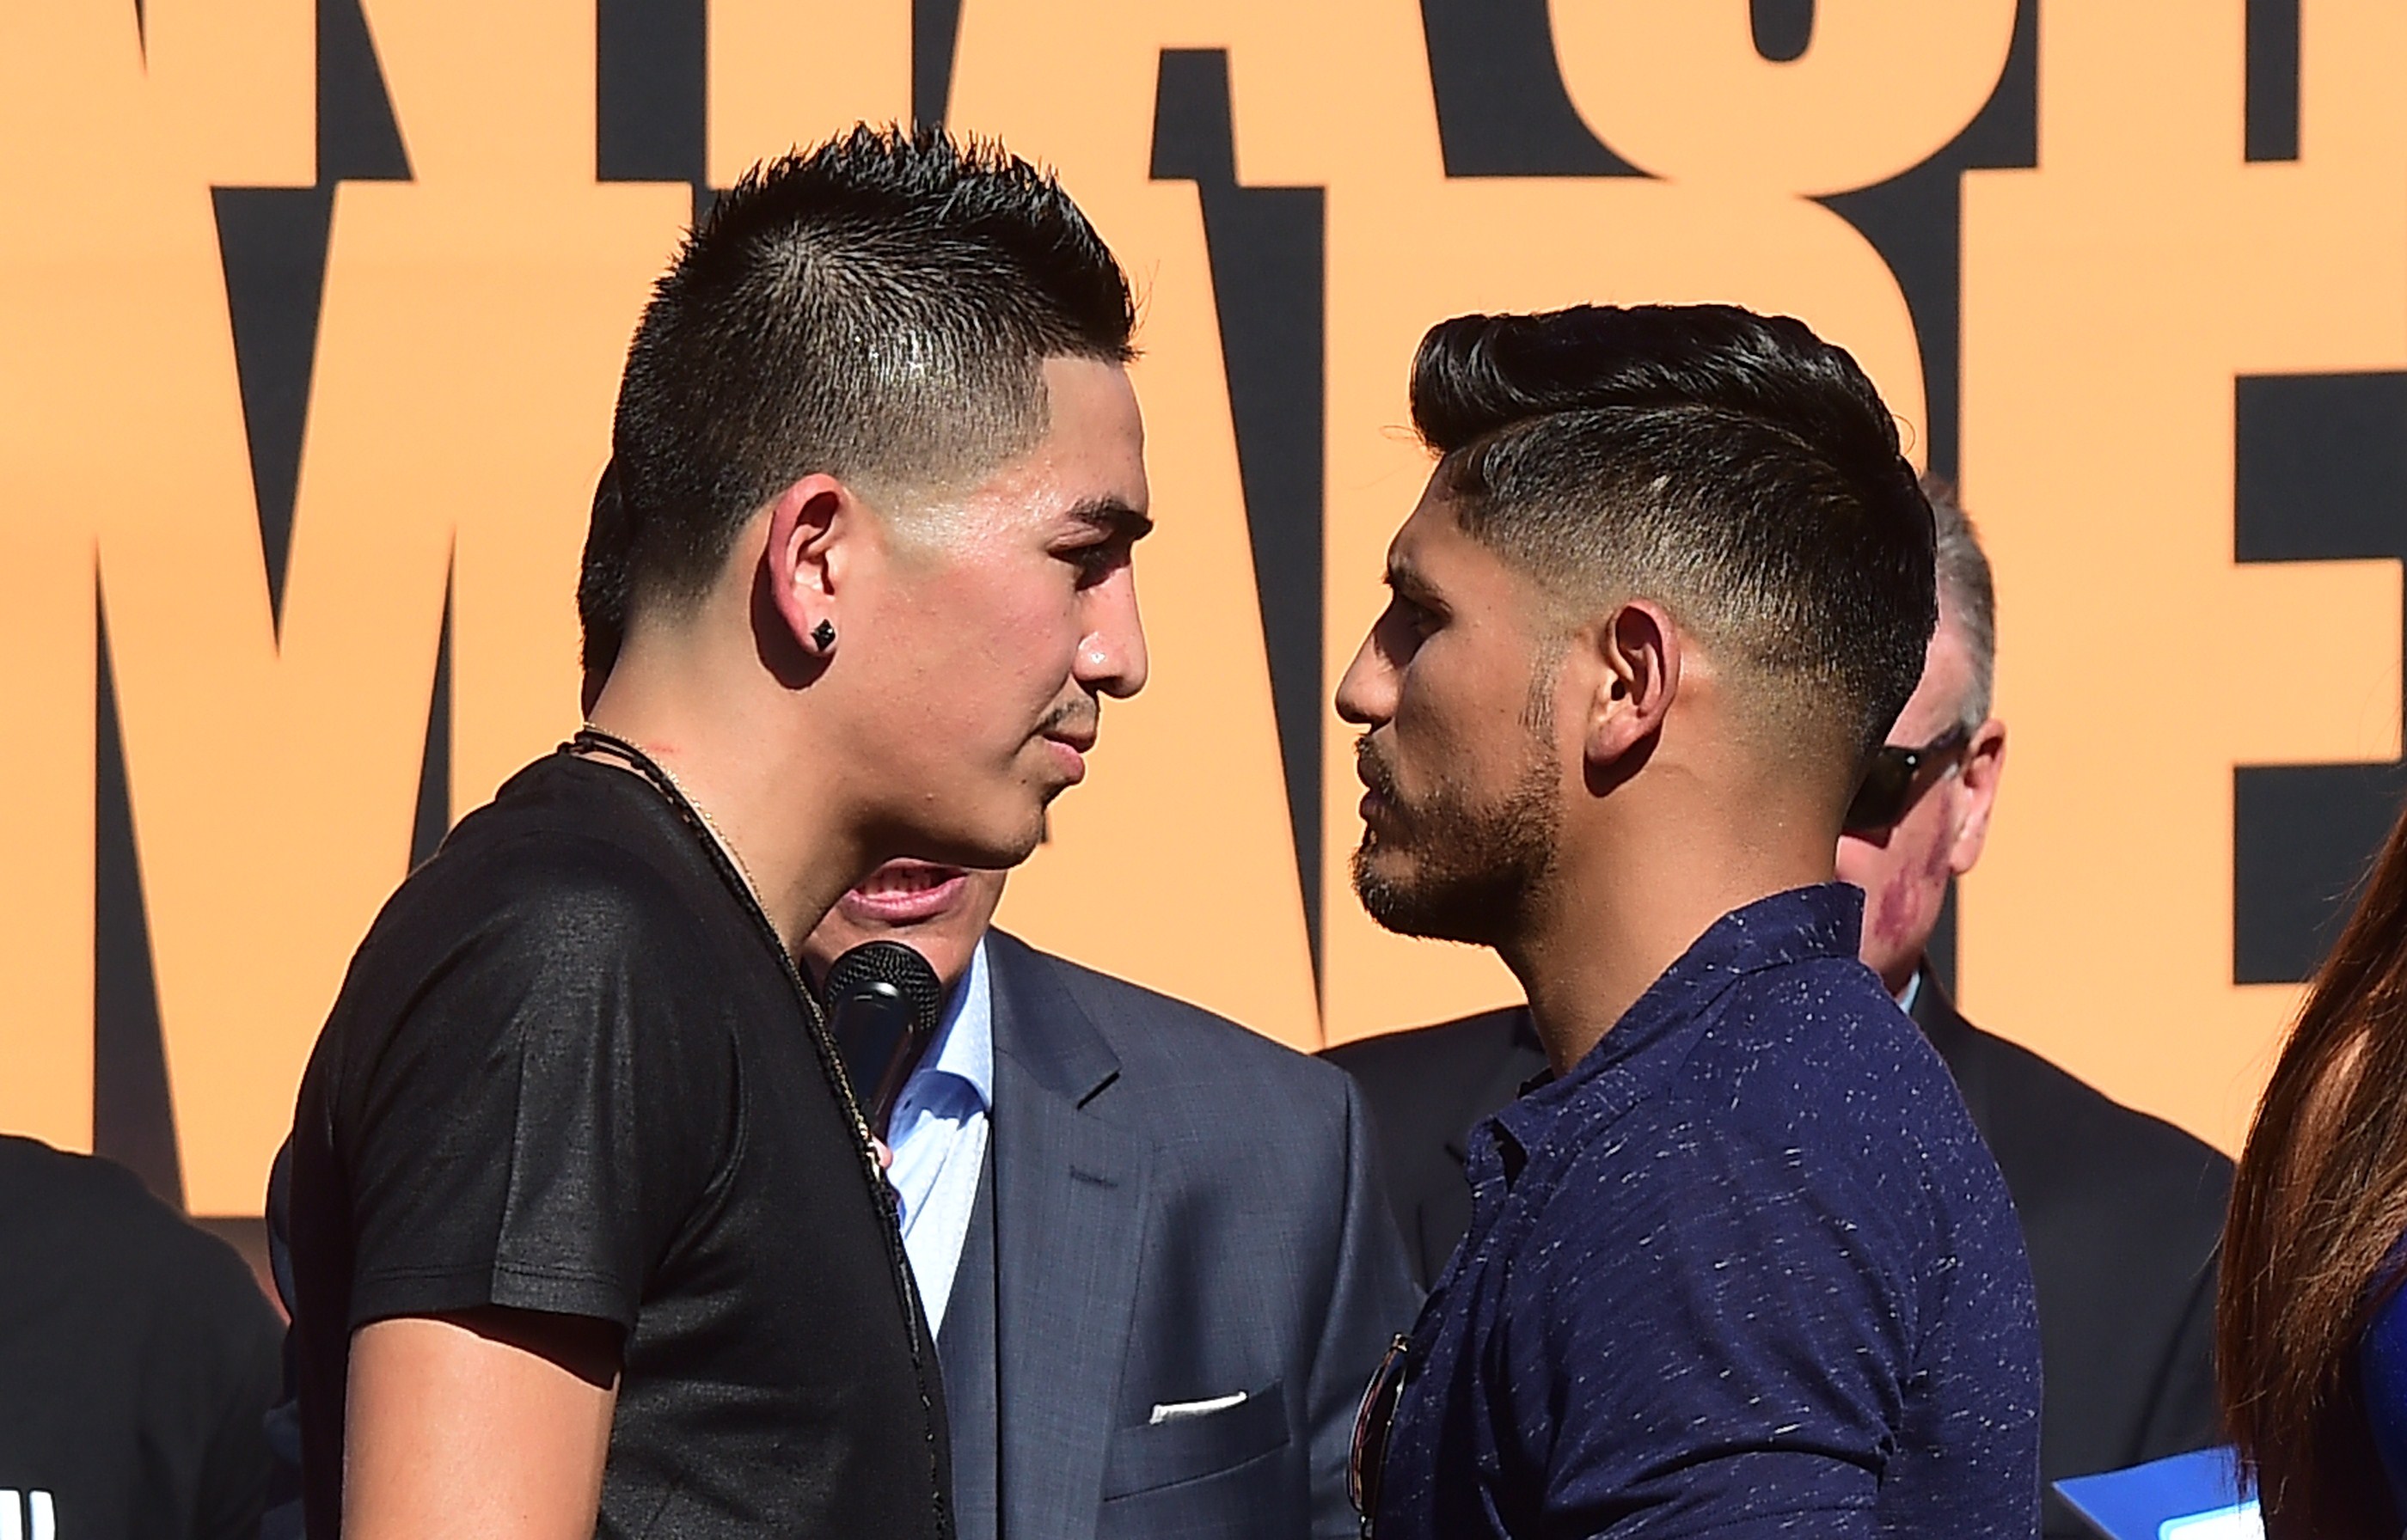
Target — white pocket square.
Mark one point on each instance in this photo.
(1171, 1411)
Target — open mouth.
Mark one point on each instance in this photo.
(903, 893)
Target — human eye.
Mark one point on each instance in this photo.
(1411, 605)
(1096, 559)
(1420, 618)
(1405, 625)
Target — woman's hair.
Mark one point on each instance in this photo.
(2318, 1208)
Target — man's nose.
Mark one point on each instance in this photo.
(1112, 658)
(1366, 696)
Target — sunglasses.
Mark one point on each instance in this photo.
(1898, 776)
(1372, 1425)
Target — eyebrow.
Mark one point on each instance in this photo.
(1111, 513)
(1403, 577)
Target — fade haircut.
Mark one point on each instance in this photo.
(877, 309)
(1967, 595)
(1732, 467)
(602, 581)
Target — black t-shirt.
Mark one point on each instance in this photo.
(571, 1071)
(137, 1358)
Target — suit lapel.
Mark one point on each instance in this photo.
(1070, 1192)
(965, 1347)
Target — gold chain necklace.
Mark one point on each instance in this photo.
(592, 739)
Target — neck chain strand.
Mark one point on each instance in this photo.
(591, 739)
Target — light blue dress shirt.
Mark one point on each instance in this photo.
(938, 1135)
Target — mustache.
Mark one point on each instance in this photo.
(1078, 716)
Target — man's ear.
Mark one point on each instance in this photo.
(1638, 654)
(803, 560)
(1985, 764)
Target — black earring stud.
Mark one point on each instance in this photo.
(823, 635)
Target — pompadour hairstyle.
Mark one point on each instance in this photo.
(879, 309)
(1733, 467)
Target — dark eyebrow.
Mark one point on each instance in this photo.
(1114, 517)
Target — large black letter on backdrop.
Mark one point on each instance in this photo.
(2320, 475)
(2272, 102)
(132, 1112)
(272, 245)
(1266, 248)
(272, 241)
(1502, 109)
(1915, 221)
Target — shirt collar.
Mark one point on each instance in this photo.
(959, 1067)
(1822, 921)
(965, 1046)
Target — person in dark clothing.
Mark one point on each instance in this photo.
(588, 1232)
(1742, 1266)
(137, 1361)
(1153, 1244)
(2121, 1212)
(1428, 1088)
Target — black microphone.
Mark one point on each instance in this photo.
(883, 1003)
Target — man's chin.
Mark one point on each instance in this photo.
(1005, 845)
(990, 828)
(1407, 903)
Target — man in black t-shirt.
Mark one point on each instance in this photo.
(137, 1358)
(587, 1231)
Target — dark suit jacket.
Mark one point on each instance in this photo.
(1428, 1090)
(2122, 1215)
(2121, 1212)
(1180, 1209)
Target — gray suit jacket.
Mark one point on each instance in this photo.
(1180, 1210)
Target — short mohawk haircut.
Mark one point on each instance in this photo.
(877, 308)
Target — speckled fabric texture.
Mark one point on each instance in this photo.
(1747, 1270)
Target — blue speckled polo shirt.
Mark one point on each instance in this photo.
(1747, 1270)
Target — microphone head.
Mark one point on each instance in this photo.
(888, 971)
(883, 1003)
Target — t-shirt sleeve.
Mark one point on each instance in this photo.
(552, 1102)
(1727, 1358)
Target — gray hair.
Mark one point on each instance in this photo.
(1967, 595)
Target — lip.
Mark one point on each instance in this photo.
(1070, 755)
(1372, 804)
(933, 889)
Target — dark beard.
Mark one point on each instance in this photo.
(1475, 868)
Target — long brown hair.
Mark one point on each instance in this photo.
(2319, 1207)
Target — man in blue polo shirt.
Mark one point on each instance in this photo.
(1743, 1266)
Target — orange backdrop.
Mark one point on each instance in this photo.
(2060, 235)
